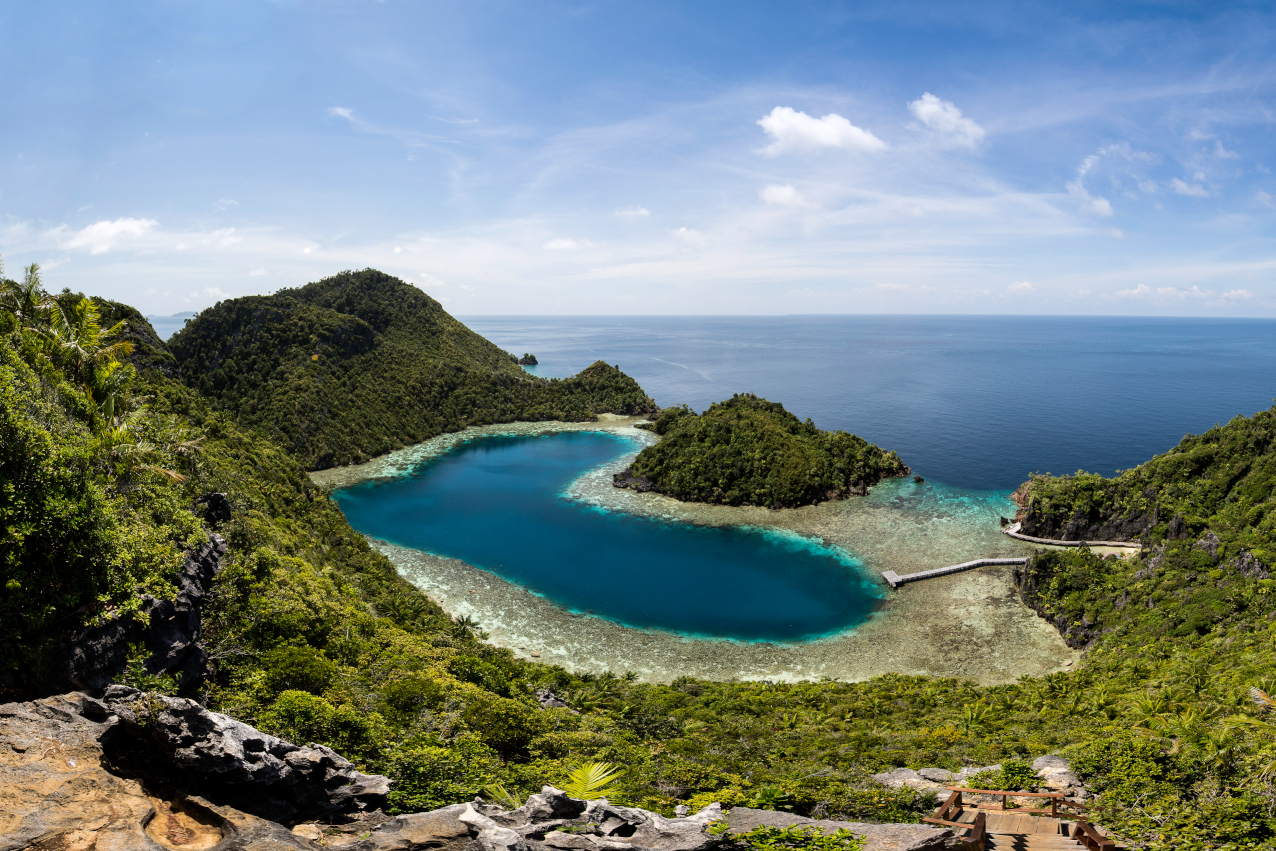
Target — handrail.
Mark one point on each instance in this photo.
(1006, 793)
(977, 828)
(1085, 833)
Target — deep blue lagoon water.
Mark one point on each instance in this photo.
(974, 404)
(497, 503)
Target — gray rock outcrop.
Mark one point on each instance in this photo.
(59, 792)
(549, 821)
(877, 837)
(216, 756)
(172, 637)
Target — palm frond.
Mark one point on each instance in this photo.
(593, 780)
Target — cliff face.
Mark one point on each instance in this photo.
(1104, 519)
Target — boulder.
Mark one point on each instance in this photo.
(877, 837)
(937, 775)
(1056, 773)
(216, 756)
(901, 778)
(60, 790)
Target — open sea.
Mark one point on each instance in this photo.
(970, 401)
(973, 404)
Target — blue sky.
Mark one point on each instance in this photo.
(649, 157)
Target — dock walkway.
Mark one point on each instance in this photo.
(1013, 531)
(895, 580)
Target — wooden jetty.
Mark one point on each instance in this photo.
(895, 580)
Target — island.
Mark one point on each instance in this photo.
(748, 451)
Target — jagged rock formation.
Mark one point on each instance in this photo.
(877, 837)
(220, 758)
(139, 770)
(1076, 635)
(1055, 773)
(61, 792)
(96, 656)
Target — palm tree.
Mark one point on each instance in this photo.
(27, 300)
(77, 341)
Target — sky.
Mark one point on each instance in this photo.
(649, 157)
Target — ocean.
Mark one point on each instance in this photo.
(976, 402)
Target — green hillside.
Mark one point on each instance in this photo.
(361, 363)
(313, 636)
(748, 451)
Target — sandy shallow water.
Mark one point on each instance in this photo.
(969, 625)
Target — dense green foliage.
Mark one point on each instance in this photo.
(1195, 614)
(799, 838)
(315, 637)
(748, 451)
(362, 363)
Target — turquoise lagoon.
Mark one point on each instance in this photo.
(499, 503)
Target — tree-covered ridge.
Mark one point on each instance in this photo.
(748, 451)
(362, 363)
(1223, 480)
(1203, 585)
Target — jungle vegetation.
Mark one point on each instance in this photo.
(361, 363)
(316, 638)
(748, 451)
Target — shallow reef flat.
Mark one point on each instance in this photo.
(968, 625)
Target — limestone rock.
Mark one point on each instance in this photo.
(1056, 773)
(59, 792)
(549, 820)
(900, 778)
(217, 756)
(173, 637)
(937, 775)
(877, 837)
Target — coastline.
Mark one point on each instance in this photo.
(968, 625)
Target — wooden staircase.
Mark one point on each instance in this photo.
(984, 826)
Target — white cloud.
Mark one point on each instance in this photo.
(1222, 153)
(945, 119)
(225, 237)
(1148, 186)
(1180, 294)
(1238, 295)
(633, 213)
(256, 273)
(1021, 287)
(1263, 198)
(1192, 190)
(567, 244)
(687, 236)
(101, 237)
(342, 112)
(797, 131)
(223, 204)
(784, 195)
(1090, 204)
(1141, 291)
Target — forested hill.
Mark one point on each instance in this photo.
(748, 451)
(362, 363)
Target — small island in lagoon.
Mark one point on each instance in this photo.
(748, 451)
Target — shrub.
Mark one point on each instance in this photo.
(299, 669)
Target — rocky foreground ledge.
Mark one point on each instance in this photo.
(132, 770)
